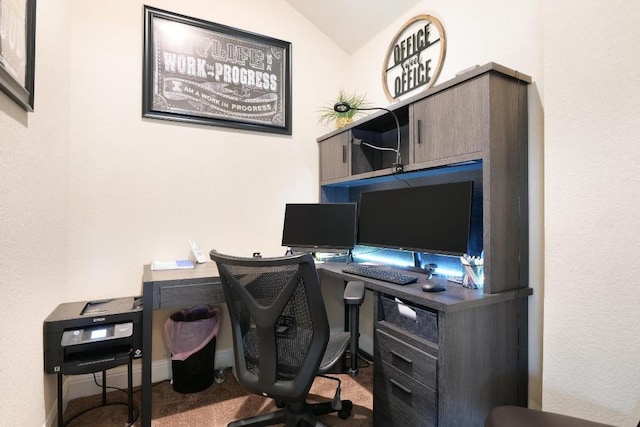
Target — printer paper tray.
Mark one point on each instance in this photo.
(94, 362)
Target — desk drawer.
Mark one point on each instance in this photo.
(401, 401)
(424, 325)
(406, 358)
(181, 296)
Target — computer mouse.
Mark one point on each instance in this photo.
(432, 287)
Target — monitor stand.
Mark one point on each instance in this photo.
(337, 254)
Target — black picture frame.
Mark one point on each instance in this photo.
(200, 72)
(17, 50)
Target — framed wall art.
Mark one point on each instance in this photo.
(17, 50)
(200, 72)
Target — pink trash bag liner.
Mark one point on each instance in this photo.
(189, 330)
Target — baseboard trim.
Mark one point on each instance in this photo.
(75, 386)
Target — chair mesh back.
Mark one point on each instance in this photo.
(279, 321)
(294, 328)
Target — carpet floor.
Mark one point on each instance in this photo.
(219, 404)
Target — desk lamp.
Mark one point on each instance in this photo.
(343, 107)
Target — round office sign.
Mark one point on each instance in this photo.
(414, 58)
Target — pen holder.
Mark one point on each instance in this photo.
(473, 276)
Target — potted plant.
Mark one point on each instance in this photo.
(328, 114)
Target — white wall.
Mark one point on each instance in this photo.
(592, 196)
(139, 188)
(90, 191)
(33, 221)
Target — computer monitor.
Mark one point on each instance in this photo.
(432, 218)
(319, 227)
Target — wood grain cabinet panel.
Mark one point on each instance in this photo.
(452, 122)
(399, 400)
(407, 359)
(335, 157)
(184, 295)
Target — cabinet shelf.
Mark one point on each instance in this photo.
(478, 118)
(470, 128)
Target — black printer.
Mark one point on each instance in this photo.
(92, 336)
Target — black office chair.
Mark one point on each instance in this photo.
(281, 334)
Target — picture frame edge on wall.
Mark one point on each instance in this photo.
(230, 78)
(20, 55)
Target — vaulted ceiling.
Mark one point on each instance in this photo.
(351, 23)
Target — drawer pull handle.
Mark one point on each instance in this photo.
(344, 154)
(419, 131)
(400, 386)
(401, 357)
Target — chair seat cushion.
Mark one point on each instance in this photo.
(287, 369)
(508, 416)
(337, 345)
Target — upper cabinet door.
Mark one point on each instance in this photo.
(452, 122)
(335, 157)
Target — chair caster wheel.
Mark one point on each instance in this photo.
(345, 412)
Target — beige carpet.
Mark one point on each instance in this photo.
(220, 404)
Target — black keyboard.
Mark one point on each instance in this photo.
(380, 274)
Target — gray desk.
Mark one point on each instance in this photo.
(463, 352)
(469, 356)
(166, 290)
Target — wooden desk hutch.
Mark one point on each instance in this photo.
(467, 350)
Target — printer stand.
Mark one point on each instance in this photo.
(130, 419)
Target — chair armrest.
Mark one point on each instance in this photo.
(354, 293)
(353, 299)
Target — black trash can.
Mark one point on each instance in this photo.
(191, 338)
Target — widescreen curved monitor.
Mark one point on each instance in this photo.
(430, 218)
